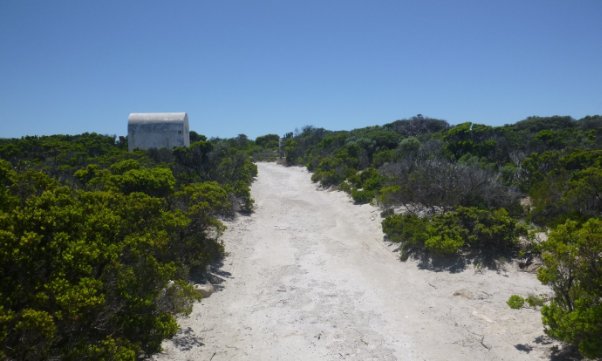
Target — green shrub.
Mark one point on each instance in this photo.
(491, 231)
(446, 244)
(388, 194)
(407, 228)
(97, 244)
(331, 171)
(573, 269)
(158, 182)
(362, 196)
(466, 229)
(516, 302)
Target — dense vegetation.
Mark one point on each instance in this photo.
(97, 245)
(573, 269)
(475, 193)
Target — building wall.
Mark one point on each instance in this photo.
(167, 134)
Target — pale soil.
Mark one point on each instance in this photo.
(312, 279)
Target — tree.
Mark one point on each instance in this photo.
(7, 179)
(268, 141)
(584, 194)
(417, 125)
(572, 267)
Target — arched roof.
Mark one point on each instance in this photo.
(157, 117)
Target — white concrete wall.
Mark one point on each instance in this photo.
(156, 134)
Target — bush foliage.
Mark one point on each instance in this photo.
(573, 269)
(97, 244)
(461, 186)
(516, 302)
(463, 230)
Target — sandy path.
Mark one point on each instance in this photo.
(312, 279)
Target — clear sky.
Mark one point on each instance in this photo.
(270, 66)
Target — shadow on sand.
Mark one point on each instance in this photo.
(566, 353)
(456, 263)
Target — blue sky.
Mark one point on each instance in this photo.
(259, 66)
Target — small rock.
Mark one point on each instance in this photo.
(206, 289)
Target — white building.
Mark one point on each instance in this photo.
(158, 130)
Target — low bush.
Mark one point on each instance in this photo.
(407, 229)
(516, 302)
(97, 244)
(466, 229)
(572, 267)
(361, 196)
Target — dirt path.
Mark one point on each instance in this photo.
(311, 279)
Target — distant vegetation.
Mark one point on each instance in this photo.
(97, 245)
(475, 193)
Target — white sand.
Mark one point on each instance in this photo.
(312, 279)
